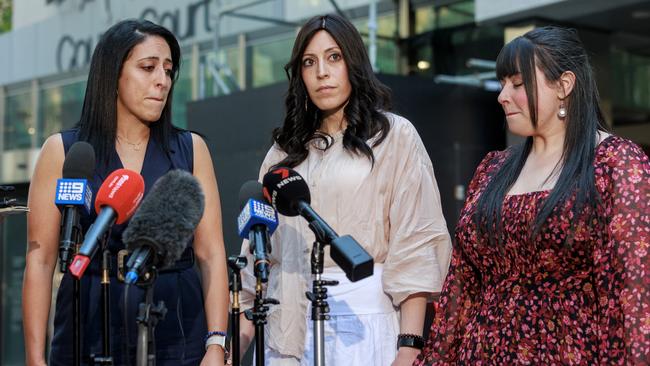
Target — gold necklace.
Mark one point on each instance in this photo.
(134, 145)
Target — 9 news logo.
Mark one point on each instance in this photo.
(70, 191)
(264, 211)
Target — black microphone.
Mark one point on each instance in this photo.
(164, 224)
(256, 222)
(72, 193)
(289, 194)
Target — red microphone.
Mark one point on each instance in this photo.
(117, 199)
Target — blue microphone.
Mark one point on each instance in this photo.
(73, 194)
(256, 222)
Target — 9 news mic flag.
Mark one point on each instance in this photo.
(73, 194)
(256, 222)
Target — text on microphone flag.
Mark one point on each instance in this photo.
(72, 191)
(254, 213)
(264, 211)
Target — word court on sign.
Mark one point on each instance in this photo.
(73, 52)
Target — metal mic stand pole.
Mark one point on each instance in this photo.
(66, 249)
(148, 317)
(319, 306)
(105, 358)
(236, 264)
(258, 316)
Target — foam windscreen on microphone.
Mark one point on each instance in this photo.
(167, 218)
(80, 161)
(251, 190)
(122, 191)
(284, 188)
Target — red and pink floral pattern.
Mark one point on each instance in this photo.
(542, 301)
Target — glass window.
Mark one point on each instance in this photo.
(387, 55)
(269, 59)
(455, 46)
(632, 84)
(386, 24)
(19, 121)
(182, 92)
(60, 108)
(428, 18)
(387, 52)
(424, 19)
(227, 68)
(456, 14)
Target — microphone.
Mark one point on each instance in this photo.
(162, 227)
(117, 199)
(73, 194)
(289, 194)
(256, 222)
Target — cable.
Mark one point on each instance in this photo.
(125, 314)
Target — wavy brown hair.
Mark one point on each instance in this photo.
(364, 110)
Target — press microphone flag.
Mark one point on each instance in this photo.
(256, 222)
(255, 209)
(72, 189)
(73, 193)
(289, 194)
(117, 199)
(164, 224)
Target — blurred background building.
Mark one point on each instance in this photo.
(437, 55)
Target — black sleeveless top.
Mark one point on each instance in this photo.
(179, 336)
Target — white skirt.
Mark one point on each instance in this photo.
(362, 330)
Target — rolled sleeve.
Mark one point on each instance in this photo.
(419, 247)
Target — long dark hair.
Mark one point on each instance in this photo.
(363, 113)
(553, 50)
(98, 122)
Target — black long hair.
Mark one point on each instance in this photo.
(98, 122)
(553, 50)
(363, 113)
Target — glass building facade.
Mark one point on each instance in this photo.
(430, 38)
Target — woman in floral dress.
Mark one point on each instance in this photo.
(550, 264)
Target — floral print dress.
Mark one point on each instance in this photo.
(543, 301)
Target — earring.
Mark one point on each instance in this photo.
(306, 105)
(562, 111)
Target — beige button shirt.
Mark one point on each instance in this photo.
(392, 209)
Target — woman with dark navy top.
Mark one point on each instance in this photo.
(126, 117)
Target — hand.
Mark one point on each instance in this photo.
(406, 356)
(214, 356)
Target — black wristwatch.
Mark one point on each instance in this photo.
(410, 340)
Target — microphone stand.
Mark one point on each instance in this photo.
(318, 298)
(148, 317)
(258, 316)
(105, 358)
(236, 264)
(66, 249)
